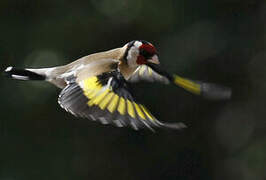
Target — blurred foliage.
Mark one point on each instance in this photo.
(217, 41)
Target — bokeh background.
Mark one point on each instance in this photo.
(221, 41)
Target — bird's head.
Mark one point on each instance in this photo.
(140, 52)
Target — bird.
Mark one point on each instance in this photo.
(96, 86)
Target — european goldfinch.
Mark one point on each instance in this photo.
(96, 86)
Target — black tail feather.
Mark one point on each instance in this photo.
(22, 74)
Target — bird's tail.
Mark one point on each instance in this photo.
(25, 74)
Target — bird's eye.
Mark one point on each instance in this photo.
(147, 50)
(145, 53)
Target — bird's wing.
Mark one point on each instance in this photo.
(106, 98)
(145, 73)
(153, 72)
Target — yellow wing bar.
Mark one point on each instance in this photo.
(105, 98)
(206, 90)
(187, 84)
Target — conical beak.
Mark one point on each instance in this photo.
(154, 60)
(154, 65)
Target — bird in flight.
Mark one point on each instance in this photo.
(96, 86)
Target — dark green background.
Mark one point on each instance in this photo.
(220, 41)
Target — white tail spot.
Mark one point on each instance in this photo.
(8, 69)
(20, 77)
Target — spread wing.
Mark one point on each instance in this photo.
(106, 98)
(207, 90)
(145, 73)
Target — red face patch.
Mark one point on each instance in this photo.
(141, 60)
(149, 48)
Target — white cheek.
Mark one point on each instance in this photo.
(137, 44)
(132, 57)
